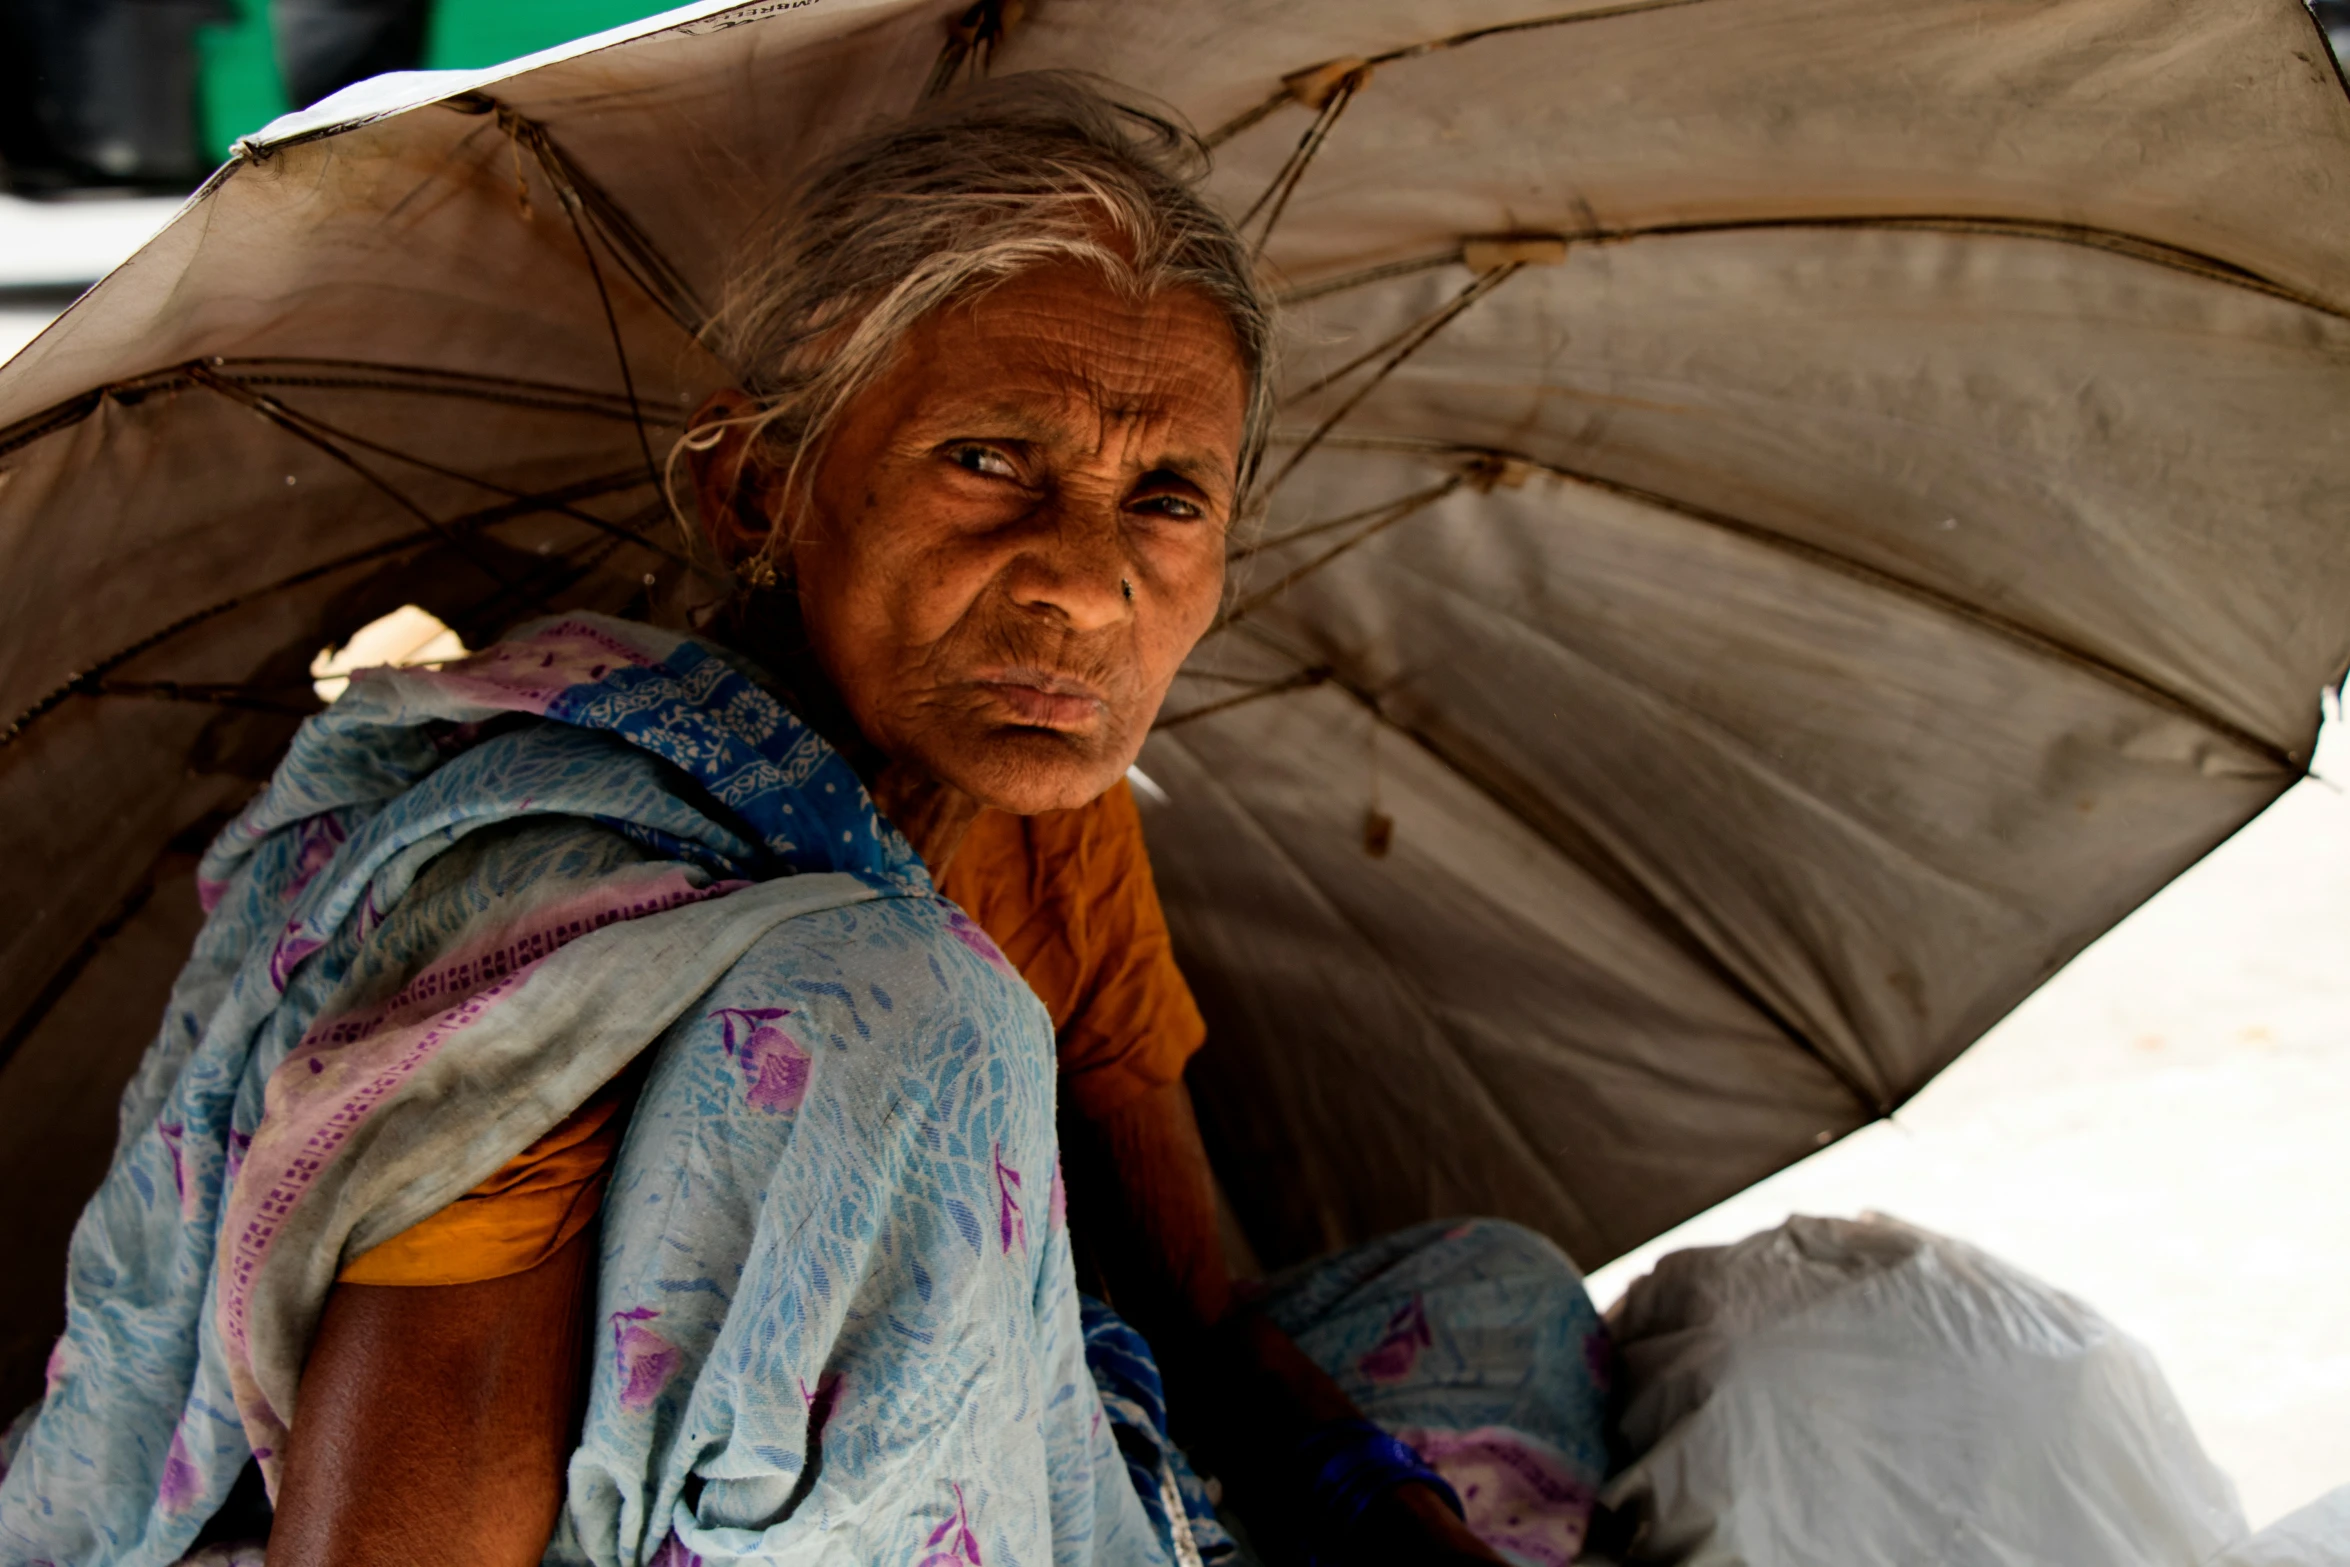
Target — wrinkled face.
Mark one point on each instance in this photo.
(1018, 533)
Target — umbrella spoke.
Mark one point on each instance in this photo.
(2119, 242)
(558, 174)
(1532, 24)
(651, 271)
(1383, 519)
(1335, 96)
(275, 412)
(84, 682)
(368, 376)
(1568, 837)
(1265, 110)
(1304, 679)
(1413, 502)
(972, 41)
(1369, 275)
(1410, 342)
(1508, 466)
(545, 501)
(286, 699)
(379, 376)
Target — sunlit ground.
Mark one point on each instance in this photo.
(2164, 1129)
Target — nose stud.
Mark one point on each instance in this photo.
(1126, 588)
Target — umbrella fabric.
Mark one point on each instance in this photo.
(1791, 518)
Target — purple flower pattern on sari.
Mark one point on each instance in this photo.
(292, 947)
(644, 1358)
(316, 842)
(175, 1137)
(952, 1544)
(239, 1143)
(182, 1485)
(1520, 1495)
(970, 935)
(774, 1065)
(1398, 1349)
(1011, 1220)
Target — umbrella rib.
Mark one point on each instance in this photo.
(1248, 119)
(1312, 529)
(276, 413)
(1421, 1004)
(1303, 680)
(1369, 275)
(2015, 631)
(2119, 242)
(1413, 341)
(548, 500)
(1285, 181)
(567, 192)
(387, 377)
(1271, 105)
(652, 272)
(972, 40)
(253, 698)
(487, 517)
(1605, 13)
(1410, 506)
(1586, 850)
(57, 416)
(548, 396)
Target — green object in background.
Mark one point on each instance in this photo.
(469, 33)
(241, 92)
(237, 87)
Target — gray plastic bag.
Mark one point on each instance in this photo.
(1862, 1392)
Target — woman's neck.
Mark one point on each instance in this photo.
(933, 815)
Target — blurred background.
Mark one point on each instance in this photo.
(2158, 1130)
(112, 111)
(149, 95)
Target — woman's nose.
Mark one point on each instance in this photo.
(1072, 564)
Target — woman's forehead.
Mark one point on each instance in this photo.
(1050, 345)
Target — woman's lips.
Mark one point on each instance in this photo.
(1042, 700)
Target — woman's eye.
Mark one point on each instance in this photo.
(983, 459)
(1170, 506)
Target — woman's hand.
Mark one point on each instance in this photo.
(1248, 1394)
(1412, 1524)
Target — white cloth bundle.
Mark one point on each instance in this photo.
(1841, 1392)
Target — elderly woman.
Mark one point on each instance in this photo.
(611, 921)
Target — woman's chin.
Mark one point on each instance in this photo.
(1030, 771)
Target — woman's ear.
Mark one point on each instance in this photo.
(729, 481)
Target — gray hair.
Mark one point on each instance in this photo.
(957, 198)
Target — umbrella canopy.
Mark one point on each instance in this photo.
(1791, 517)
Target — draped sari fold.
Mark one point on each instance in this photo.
(835, 1303)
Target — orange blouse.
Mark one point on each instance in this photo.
(1067, 896)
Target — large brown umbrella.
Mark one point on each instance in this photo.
(1792, 517)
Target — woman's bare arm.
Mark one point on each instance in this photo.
(434, 1423)
(1253, 1393)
